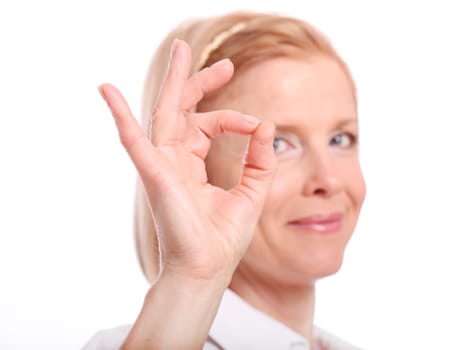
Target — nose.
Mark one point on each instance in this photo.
(322, 178)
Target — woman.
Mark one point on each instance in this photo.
(251, 172)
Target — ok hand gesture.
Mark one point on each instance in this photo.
(203, 230)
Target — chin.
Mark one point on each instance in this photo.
(317, 266)
(328, 269)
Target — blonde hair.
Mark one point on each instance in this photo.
(260, 37)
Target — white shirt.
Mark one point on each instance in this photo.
(238, 326)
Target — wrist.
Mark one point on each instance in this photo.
(202, 283)
(177, 304)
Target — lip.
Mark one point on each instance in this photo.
(320, 223)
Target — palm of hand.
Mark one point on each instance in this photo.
(203, 231)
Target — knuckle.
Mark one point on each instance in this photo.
(194, 93)
(125, 141)
(156, 111)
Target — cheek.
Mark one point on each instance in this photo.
(285, 185)
(224, 161)
(221, 172)
(357, 185)
(349, 173)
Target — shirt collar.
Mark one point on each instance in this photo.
(238, 325)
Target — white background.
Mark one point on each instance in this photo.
(67, 261)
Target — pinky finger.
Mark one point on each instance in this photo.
(131, 134)
(128, 127)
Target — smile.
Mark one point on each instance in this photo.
(321, 223)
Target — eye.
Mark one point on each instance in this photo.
(287, 145)
(281, 145)
(343, 140)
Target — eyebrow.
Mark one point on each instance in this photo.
(339, 124)
(344, 122)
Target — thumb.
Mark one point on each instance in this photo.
(259, 166)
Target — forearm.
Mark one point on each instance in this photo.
(177, 314)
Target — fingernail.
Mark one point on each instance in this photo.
(223, 62)
(251, 119)
(100, 90)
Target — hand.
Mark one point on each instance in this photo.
(203, 231)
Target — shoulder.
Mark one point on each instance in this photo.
(113, 338)
(324, 340)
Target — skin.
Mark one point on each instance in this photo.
(201, 243)
(312, 104)
(235, 203)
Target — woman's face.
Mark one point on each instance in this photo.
(318, 189)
